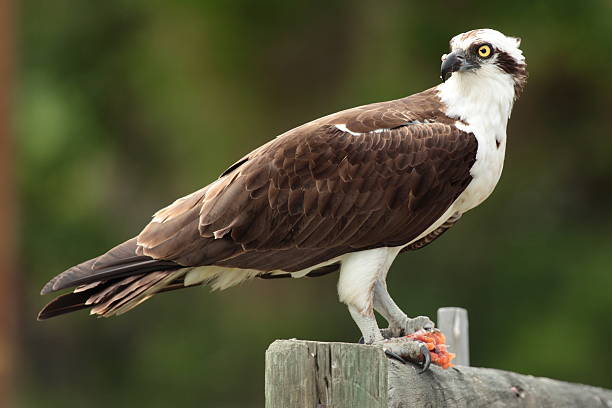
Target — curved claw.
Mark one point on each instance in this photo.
(426, 357)
(361, 340)
(394, 356)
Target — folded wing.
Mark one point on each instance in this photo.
(373, 176)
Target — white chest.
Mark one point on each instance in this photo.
(487, 168)
(482, 103)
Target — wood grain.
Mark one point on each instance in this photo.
(453, 322)
(309, 374)
(314, 374)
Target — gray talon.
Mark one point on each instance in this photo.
(408, 326)
(394, 356)
(426, 359)
(417, 323)
(390, 333)
(406, 350)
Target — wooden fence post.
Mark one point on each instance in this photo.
(318, 375)
(453, 322)
(309, 374)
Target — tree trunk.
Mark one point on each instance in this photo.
(7, 244)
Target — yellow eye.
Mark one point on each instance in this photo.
(484, 51)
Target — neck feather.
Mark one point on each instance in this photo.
(479, 99)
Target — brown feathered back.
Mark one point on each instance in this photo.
(373, 176)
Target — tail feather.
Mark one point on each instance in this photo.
(114, 297)
(134, 294)
(70, 302)
(119, 262)
(112, 283)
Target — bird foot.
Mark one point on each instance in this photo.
(408, 326)
(404, 350)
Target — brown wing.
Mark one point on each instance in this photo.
(316, 193)
(310, 195)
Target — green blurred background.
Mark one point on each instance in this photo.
(124, 105)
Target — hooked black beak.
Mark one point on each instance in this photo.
(453, 62)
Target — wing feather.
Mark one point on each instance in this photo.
(305, 198)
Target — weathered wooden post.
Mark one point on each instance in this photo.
(453, 322)
(309, 374)
(315, 374)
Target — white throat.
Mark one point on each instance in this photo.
(482, 98)
(481, 102)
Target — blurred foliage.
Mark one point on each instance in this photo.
(122, 106)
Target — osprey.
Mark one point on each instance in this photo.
(347, 192)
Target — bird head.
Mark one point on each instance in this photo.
(485, 53)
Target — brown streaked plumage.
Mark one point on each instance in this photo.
(310, 195)
(512, 67)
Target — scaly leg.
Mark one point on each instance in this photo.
(399, 323)
(367, 325)
(359, 274)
